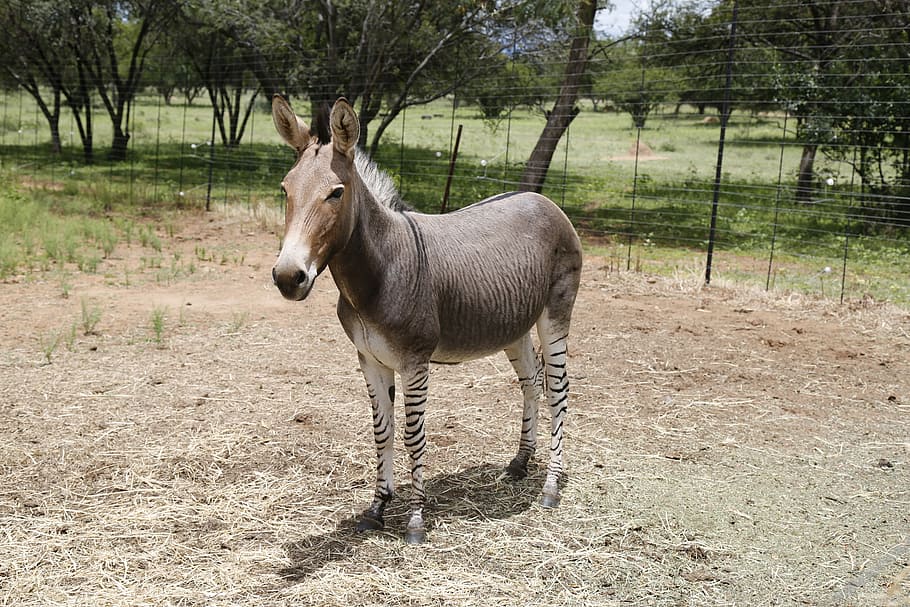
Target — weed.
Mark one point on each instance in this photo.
(9, 259)
(65, 287)
(70, 338)
(148, 238)
(157, 324)
(126, 227)
(49, 343)
(238, 320)
(203, 255)
(91, 315)
(108, 242)
(88, 263)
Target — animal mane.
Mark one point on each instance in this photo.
(321, 129)
(379, 183)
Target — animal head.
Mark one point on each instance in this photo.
(319, 188)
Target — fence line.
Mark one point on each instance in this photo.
(654, 206)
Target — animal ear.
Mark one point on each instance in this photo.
(292, 129)
(345, 127)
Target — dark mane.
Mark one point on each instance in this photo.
(320, 126)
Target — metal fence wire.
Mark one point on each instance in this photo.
(768, 144)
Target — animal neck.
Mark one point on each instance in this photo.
(359, 269)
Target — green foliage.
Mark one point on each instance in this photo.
(156, 322)
(91, 315)
(49, 343)
(632, 83)
(41, 231)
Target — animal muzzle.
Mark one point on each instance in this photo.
(293, 280)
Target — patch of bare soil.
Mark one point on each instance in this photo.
(206, 443)
(640, 151)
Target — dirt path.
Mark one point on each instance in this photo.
(207, 443)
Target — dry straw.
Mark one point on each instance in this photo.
(725, 447)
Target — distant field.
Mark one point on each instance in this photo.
(649, 211)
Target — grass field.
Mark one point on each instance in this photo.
(178, 434)
(648, 211)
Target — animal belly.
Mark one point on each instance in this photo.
(452, 356)
(461, 342)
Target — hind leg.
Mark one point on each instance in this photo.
(530, 376)
(554, 339)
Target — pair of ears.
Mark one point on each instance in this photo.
(343, 124)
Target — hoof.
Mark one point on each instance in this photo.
(548, 500)
(415, 536)
(369, 522)
(517, 469)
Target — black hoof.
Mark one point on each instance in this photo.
(517, 469)
(549, 501)
(369, 522)
(415, 536)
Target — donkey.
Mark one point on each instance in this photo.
(415, 289)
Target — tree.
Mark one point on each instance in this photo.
(378, 54)
(217, 63)
(37, 52)
(870, 128)
(629, 79)
(111, 41)
(810, 43)
(33, 51)
(564, 109)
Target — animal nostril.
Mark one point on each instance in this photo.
(300, 277)
(274, 277)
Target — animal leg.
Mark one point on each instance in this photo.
(553, 339)
(381, 389)
(529, 368)
(415, 382)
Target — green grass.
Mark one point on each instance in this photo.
(38, 232)
(662, 205)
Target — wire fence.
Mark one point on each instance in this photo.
(708, 155)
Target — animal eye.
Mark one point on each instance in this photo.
(284, 191)
(336, 193)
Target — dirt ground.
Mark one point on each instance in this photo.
(174, 433)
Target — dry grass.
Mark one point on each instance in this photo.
(725, 448)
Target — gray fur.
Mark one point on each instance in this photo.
(415, 288)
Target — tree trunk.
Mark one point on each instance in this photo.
(88, 146)
(56, 146)
(120, 144)
(564, 110)
(805, 180)
(52, 115)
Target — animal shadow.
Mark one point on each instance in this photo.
(481, 492)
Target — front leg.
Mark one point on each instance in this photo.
(381, 388)
(415, 381)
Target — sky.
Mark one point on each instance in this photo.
(615, 22)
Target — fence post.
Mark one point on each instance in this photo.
(565, 167)
(157, 148)
(208, 193)
(252, 161)
(404, 118)
(724, 117)
(454, 157)
(780, 177)
(843, 276)
(186, 102)
(641, 89)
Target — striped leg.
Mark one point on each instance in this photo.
(381, 388)
(554, 345)
(415, 382)
(530, 376)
